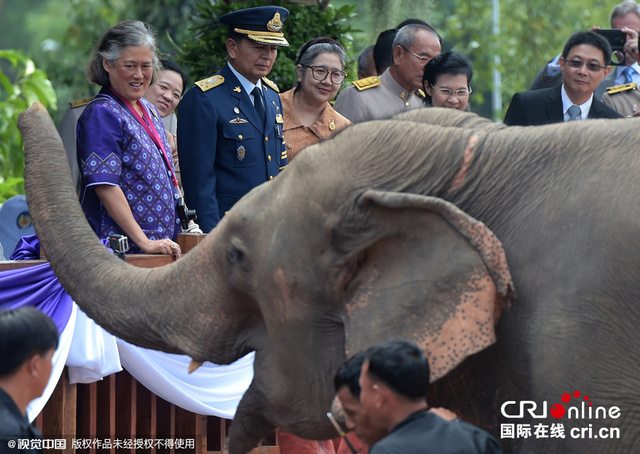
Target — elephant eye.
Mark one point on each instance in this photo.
(235, 255)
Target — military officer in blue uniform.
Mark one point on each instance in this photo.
(230, 129)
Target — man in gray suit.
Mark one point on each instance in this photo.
(397, 89)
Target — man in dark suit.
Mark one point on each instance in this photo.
(625, 16)
(230, 129)
(584, 64)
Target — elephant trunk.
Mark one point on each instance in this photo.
(110, 291)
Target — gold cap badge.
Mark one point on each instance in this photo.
(275, 24)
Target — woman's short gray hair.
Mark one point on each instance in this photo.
(110, 46)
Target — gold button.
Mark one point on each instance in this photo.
(271, 177)
(266, 139)
(240, 136)
(269, 158)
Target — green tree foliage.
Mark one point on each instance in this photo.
(204, 51)
(383, 14)
(25, 86)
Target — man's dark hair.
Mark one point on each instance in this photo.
(237, 37)
(171, 66)
(592, 39)
(411, 21)
(349, 374)
(383, 50)
(402, 366)
(24, 332)
(449, 62)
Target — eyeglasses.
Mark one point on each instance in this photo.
(577, 64)
(321, 72)
(423, 58)
(463, 93)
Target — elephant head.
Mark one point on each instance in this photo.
(339, 252)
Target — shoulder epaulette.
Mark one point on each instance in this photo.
(420, 92)
(210, 82)
(367, 82)
(81, 102)
(271, 84)
(621, 88)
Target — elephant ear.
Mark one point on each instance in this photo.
(421, 269)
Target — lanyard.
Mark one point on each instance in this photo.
(151, 130)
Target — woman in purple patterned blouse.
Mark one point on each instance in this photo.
(128, 181)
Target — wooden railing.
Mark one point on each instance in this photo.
(121, 412)
(119, 415)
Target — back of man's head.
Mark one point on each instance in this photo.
(349, 374)
(402, 366)
(410, 21)
(365, 62)
(589, 38)
(383, 50)
(24, 332)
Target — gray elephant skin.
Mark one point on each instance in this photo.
(390, 229)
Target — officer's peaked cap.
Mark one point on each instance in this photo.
(262, 24)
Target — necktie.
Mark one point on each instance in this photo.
(258, 103)
(574, 113)
(627, 75)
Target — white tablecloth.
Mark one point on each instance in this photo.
(91, 353)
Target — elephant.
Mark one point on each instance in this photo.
(507, 253)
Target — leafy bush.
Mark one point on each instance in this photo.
(204, 51)
(30, 85)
